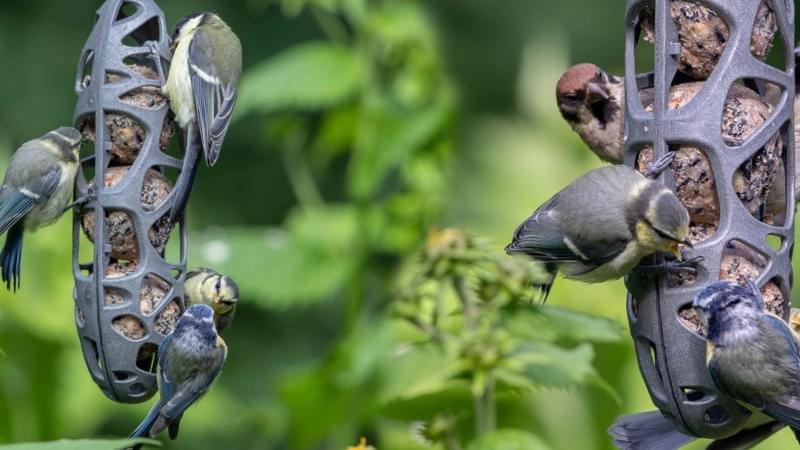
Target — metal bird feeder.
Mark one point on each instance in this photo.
(671, 357)
(128, 296)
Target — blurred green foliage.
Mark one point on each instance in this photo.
(361, 124)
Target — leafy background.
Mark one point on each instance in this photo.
(361, 125)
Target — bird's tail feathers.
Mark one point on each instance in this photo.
(647, 431)
(183, 185)
(11, 257)
(143, 430)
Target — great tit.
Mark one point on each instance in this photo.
(36, 189)
(202, 87)
(601, 225)
(208, 287)
(189, 360)
(752, 356)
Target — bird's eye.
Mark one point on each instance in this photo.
(571, 97)
(218, 285)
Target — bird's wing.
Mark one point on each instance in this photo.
(190, 392)
(787, 407)
(17, 201)
(165, 385)
(213, 98)
(541, 237)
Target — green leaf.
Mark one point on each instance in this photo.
(508, 439)
(455, 396)
(308, 76)
(389, 136)
(552, 366)
(305, 262)
(550, 323)
(81, 444)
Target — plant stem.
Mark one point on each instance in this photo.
(489, 405)
(300, 178)
(468, 303)
(485, 408)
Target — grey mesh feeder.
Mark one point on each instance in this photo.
(127, 295)
(671, 356)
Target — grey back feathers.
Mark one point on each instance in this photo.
(587, 221)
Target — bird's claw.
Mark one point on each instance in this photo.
(657, 167)
(687, 265)
(79, 202)
(155, 55)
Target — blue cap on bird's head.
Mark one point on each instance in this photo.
(725, 294)
(199, 312)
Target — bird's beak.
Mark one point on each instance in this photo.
(687, 243)
(596, 92)
(674, 247)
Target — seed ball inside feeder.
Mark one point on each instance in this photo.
(743, 114)
(119, 226)
(703, 35)
(119, 269)
(167, 319)
(153, 292)
(127, 135)
(129, 326)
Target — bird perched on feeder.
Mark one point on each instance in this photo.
(601, 225)
(592, 102)
(752, 356)
(202, 87)
(36, 189)
(189, 360)
(703, 35)
(652, 431)
(209, 287)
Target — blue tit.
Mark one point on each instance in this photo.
(652, 431)
(202, 87)
(189, 360)
(752, 355)
(208, 287)
(36, 189)
(601, 225)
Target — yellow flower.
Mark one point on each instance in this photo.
(362, 445)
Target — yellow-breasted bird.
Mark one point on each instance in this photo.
(189, 361)
(36, 189)
(601, 225)
(202, 87)
(209, 287)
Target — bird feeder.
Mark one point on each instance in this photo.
(670, 348)
(128, 296)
